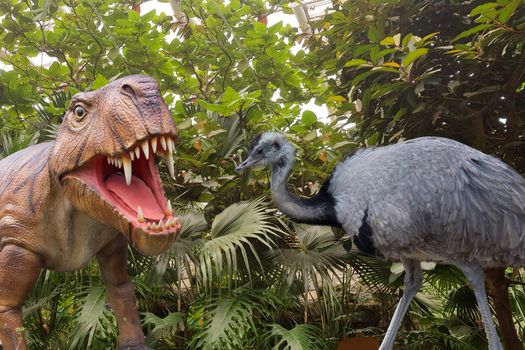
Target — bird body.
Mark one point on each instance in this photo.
(426, 199)
(433, 199)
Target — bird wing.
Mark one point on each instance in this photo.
(433, 196)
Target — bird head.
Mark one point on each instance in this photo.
(268, 149)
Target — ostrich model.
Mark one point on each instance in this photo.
(427, 199)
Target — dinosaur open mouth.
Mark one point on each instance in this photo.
(130, 183)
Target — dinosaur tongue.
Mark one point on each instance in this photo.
(138, 194)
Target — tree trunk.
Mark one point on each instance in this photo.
(498, 289)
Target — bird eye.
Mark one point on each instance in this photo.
(276, 145)
(80, 112)
(259, 150)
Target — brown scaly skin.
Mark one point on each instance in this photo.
(62, 203)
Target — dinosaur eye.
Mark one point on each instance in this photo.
(276, 145)
(259, 150)
(80, 112)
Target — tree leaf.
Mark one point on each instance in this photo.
(356, 62)
(508, 11)
(483, 8)
(388, 41)
(391, 64)
(308, 118)
(414, 55)
(335, 98)
(472, 31)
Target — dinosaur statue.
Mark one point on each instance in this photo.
(88, 193)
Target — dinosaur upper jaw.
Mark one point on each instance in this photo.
(125, 191)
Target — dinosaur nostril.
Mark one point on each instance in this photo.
(128, 90)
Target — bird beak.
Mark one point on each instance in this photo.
(249, 162)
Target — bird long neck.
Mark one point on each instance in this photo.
(317, 210)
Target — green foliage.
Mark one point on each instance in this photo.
(229, 321)
(240, 275)
(300, 337)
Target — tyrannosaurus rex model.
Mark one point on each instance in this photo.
(88, 193)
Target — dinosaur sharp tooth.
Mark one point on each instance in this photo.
(163, 142)
(171, 145)
(140, 216)
(154, 144)
(145, 148)
(132, 155)
(171, 164)
(137, 152)
(127, 169)
(160, 225)
(118, 162)
(148, 227)
(170, 222)
(169, 208)
(109, 160)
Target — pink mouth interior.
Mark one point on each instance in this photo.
(131, 197)
(145, 189)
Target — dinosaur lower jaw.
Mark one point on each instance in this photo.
(132, 201)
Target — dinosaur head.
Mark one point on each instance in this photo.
(104, 160)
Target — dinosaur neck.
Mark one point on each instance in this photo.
(317, 210)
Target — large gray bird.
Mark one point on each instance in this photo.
(427, 199)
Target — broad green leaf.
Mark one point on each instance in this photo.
(412, 56)
(376, 55)
(406, 40)
(483, 8)
(335, 98)
(508, 11)
(388, 41)
(374, 34)
(356, 62)
(391, 64)
(308, 118)
(471, 31)
(99, 82)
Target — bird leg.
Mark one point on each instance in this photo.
(475, 276)
(413, 280)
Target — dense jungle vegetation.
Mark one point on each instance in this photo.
(241, 276)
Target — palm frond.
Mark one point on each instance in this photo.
(229, 321)
(95, 323)
(233, 137)
(233, 234)
(163, 326)
(374, 272)
(461, 302)
(301, 337)
(11, 143)
(182, 252)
